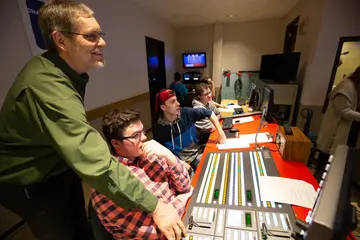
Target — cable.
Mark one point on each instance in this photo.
(238, 87)
(308, 116)
(257, 132)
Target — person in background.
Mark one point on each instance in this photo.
(153, 164)
(203, 100)
(179, 88)
(340, 123)
(47, 144)
(212, 88)
(175, 127)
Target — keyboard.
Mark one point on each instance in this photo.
(227, 123)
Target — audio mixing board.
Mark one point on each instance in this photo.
(226, 202)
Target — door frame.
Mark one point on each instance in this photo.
(335, 66)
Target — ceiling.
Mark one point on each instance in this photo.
(200, 12)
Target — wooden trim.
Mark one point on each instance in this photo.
(99, 112)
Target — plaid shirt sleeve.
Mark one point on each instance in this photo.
(179, 179)
(124, 224)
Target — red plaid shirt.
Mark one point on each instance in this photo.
(158, 177)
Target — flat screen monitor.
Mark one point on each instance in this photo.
(194, 60)
(280, 67)
(187, 77)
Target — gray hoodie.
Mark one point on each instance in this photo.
(205, 125)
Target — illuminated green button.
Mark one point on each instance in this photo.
(248, 219)
(216, 194)
(248, 195)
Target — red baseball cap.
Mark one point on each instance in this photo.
(162, 96)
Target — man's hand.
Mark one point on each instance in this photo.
(222, 137)
(168, 221)
(152, 147)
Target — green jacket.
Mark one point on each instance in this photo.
(44, 130)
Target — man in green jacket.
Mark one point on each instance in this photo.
(46, 141)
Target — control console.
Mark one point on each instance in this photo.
(226, 204)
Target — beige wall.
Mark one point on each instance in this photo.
(310, 13)
(340, 19)
(245, 43)
(195, 39)
(234, 46)
(15, 49)
(125, 74)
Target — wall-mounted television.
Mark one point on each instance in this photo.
(280, 67)
(194, 60)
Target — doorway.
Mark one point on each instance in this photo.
(155, 55)
(290, 36)
(347, 59)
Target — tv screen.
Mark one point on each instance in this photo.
(280, 67)
(194, 60)
(187, 76)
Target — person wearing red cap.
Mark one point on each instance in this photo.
(175, 128)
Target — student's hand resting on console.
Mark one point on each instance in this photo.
(152, 147)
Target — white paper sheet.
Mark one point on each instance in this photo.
(286, 190)
(242, 120)
(261, 138)
(232, 143)
(243, 141)
(233, 106)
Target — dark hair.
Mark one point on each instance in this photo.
(177, 76)
(115, 121)
(60, 15)
(199, 89)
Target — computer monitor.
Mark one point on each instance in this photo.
(332, 216)
(253, 96)
(268, 103)
(186, 77)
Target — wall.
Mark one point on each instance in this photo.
(125, 74)
(15, 48)
(328, 20)
(245, 43)
(340, 19)
(310, 13)
(195, 39)
(234, 46)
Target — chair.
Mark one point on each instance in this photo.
(100, 233)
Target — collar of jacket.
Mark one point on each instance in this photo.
(162, 121)
(78, 80)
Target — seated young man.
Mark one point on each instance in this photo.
(212, 89)
(203, 100)
(175, 127)
(179, 88)
(154, 165)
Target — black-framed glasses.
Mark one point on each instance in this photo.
(92, 37)
(136, 136)
(206, 94)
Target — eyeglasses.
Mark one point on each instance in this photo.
(136, 136)
(92, 37)
(206, 94)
